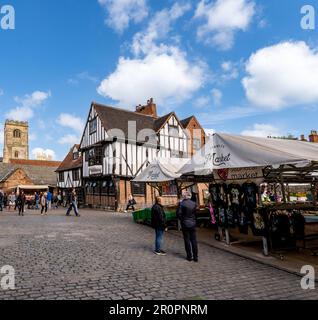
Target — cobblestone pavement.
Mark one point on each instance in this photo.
(106, 256)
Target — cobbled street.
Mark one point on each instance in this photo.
(106, 256)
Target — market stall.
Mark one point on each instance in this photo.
(160, 172)
(236, 167)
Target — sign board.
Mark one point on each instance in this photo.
(240, 175)
(96, 170)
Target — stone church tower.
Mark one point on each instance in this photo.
(16, 141)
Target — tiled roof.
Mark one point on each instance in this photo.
(69, 163)
(186, 122)
(39, 175)
(38, 163)
(115, 118)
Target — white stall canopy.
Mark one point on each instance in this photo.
(224, 151)
(162, 170)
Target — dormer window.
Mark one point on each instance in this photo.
(75, 155)
(16, 154)
(17, 134)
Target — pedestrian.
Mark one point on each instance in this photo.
(186, 213)
(37, 200)
(131, 203)
(21, 203)
(158, 221)
(12, 201)
(1, 200)
(59, 198)
(5, 201)
(43, 202)
(73, 204)
(49, 198)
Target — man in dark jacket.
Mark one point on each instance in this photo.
(158, 221)
(21, 203)
(186, 213)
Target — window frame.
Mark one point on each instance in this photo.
(93, 129)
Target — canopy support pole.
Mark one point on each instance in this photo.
(283, 188)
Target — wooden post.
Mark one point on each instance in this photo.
(265, 246)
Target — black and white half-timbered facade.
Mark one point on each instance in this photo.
(69, 173)
(118, 144)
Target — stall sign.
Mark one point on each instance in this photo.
(240, 175)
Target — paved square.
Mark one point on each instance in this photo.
(104, 255)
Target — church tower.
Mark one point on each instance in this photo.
(16, 141)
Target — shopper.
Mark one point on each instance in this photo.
(59, 198)
(1, 200)
(49, 200)
(131, 203)
(12, 201)
(37, 200)
(43, 201)
(21, 203)
(158, 221)
(5, 201)
(186, 213)
(73, 204)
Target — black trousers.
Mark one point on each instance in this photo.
(21, 209)
(190, 242)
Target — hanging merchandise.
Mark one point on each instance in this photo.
(213, 219)
(243, 221)
(259, 225)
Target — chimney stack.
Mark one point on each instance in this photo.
(302, 138)
(150, 109)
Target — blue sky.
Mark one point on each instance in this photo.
(241, 66)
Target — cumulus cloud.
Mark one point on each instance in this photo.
(71, 121)
(262, 130)
(25, 110)
(120, 13)
(166, 75)
(1, 92)
(42, 154)
(70, 139)
(222, 19)
(282, 75)
(158, 28)
(229, 70)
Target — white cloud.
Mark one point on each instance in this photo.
(83, 76)
(166, 76)
(33, 136)
(70, 139)
(262, 130)
(223, 19)
(202, 102)
(1, 92)
(282, 75)
(33, 100)
(122, 12)
(42, 154)
(217, 96)
(71, 121)
(158, 28)
(20, 114)
(209, 132)
(25, 110)
(230, 70)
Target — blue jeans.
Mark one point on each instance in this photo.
(73, 205)
(159, 238)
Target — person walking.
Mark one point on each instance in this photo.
(12, 201)
(5, 201)
(49, 198)
(43, 202)
(37, 200)
(59, 198)
(1, 200)
(21, 203)
(186, 213)
(158, 221)
(73, 204)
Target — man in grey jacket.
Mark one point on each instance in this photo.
(186, 213)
